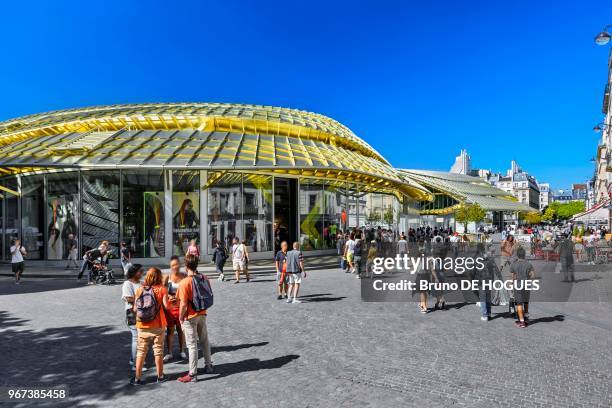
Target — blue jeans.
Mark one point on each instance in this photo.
(134, 332)
(484, 295)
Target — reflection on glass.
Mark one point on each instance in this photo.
(32, 216)
(311, 218)
(11, 221)
(100, 212)
(257, 199)
(62, 214)
(143, 213)
(186, 209)
(334, 204)
(224, 208)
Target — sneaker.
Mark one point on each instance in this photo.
(183, 355)
(295, 301)
(167, 358)
(135, 382)
(288, 299)
(162, 379)
(279, 297)
(358, 277)
(484, 318)
(237, 281)
(503, 303)
(208, 369)
(187, 378)
(522, 325)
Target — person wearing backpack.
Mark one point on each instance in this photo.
(128, 295)
(195, 296)
(151, 297)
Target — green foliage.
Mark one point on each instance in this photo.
(531, 217)
(467, 213)
(373, 217)
(388, 216)
(558, 211)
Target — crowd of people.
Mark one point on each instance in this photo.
(162, 305)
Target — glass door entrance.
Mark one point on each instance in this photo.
(285, 211)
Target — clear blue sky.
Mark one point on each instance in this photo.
(418, 80)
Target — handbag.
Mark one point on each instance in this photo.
(130, 317)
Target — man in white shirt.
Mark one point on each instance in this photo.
(349, 252)
(238, 258)
(17, 264)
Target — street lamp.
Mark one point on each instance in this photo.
(599, 127)
(604, 37)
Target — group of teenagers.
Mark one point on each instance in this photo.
(159, 306)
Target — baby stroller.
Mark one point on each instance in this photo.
(102, 273)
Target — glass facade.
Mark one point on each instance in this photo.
(224, 209)
(32, 216)
(311, 215)
(11, 215)
(257, 212)
(99, 208)
(185, 210)
(131, 205)
(62, 213)
(143, 212)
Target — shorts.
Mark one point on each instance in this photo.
(172, 316)
(281, 277)
(148, 336)
(238, 265)
(295, 277)
(17, 267)
(349, 257)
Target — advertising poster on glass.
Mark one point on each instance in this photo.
(61, 226)
(185, 221)
(154, 225)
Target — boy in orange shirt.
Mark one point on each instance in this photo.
(151, 331)
(193, 323)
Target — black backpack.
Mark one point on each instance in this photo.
(202, 293)
(358, 246)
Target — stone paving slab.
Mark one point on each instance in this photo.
(333, 350)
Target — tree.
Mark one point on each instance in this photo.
(562, 211)
(531, 217)
(388, 216)
(373, 217)
(467, 213)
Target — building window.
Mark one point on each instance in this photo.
(32, 216)
(257, 199)
(143, 213)
(100, 212)
(311, 218)
(185, 210)
(224, 209)
(62, 214)
(11, 219)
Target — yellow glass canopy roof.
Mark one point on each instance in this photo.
(212, 136)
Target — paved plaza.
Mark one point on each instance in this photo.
(333, 350)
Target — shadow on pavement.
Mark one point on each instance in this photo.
(252, 364)
(322, 299)
(548, 319)
(92, 361)
(35, 285)
(222, 349)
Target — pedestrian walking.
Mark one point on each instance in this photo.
(193, 318)
(128, 295)
(126, 257)
(370, 260)
(193, 249)
(281, 270)
(349, 253)
(295, 271)
(150, 299)
(566, 258)
(521, 271)
(219, 257)
(72, 252)
(172, 282)
(238, 259)
(17, 262)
